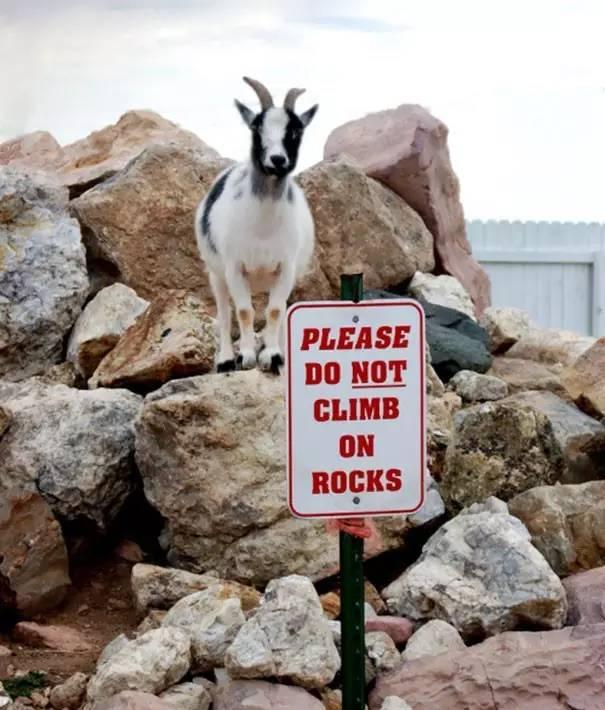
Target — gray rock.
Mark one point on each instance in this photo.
(70, 694)
(431, 639)
(474, 387)
(188, 696)
(260, 695)
(395, 703)
(442, 290)
(288, 638)
(43, 278)
(505, 326)
(480, 573)
(75, 446)
(381, 653)
(150, 664)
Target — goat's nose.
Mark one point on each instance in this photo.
(279, 161)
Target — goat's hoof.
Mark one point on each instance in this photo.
(226, 366)
(270, 360)
(246, 360)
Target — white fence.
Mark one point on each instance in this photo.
(553, 270)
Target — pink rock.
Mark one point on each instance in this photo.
(398, 628)
(133, 700)
(406, 149)
(547, 670)
(57, 638)
(259, 695)
(586, 597)
(37, 150)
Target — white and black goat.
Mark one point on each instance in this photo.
(255, 231)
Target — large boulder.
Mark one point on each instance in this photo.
(175, 337)
(520, 375)
(442, 291)
(139, 225)
(288, 638)
(75, 447)
(359, 222)
(211, 452)
(33, 557)
(34, 150)
(131, 700)
(567, 524)
(474, 387)
(505, 327)
(431, 639)
(406, 149)
(586, 597)
(501, 449)
(100, 325)
(481, 574)
(585, 379)
(261, 695)
(551, 346)
(188, 696)
(547, 670)
(43, 278)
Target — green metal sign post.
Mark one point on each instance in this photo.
(352, 579)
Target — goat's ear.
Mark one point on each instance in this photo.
(308, 115)
(245, 113)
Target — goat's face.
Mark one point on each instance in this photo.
(276, 132)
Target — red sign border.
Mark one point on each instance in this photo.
(422, 345)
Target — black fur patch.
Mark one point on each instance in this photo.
(290, 194)
(226, 366)
(293, 138)
(215, 192)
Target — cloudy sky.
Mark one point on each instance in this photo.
(520, 83)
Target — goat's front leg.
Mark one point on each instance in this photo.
(225, 360)
(271, 356)
(240, 293)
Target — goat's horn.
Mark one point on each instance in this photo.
(291, 97)
(266, 100)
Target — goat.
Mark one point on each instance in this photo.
(255, 231)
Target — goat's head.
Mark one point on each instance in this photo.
(276, 131)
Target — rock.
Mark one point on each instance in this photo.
(211, 452)
(153, 620)
(394, 703)
(43, 278)
(567, 524)
(347, 206)
(580, 438)
(481, 574)
(75, 446)
(117, 644)
(505, 327)
(585, 379)
(188, 696)
(397, 628)
(161, 587)
(101, 324)
(331, 699)
(70, 694)
(212, 618)
(550, 346)
(33, 557)
(129, 551)
(373, 598)
(288, 638)
(175, 337)
(150, 663)
(140, 222)
(541, 670)
(499, 449)
(521, 375)
(57, 638)
(382, 653)
(260, 695)
(442, 291)
(406, 149)
(132, 700)
(586, 597)
(473, 387)
(38, 150)
(433, 638)
(330, 603)
(440, 423)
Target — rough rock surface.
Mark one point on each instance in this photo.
(394, 703)
(505, 327)
(406, 148)
(521, 375)
(550, 670)
(70, 694)
(75, 446)
(100, 325)
(43, 278)
(37, 149)
(585, 380)
(381, 653)
(397, 628)
(442, 291)
(211, 451)
(33, 556)
(551, 346)
(359, 221)
(139, 224)
(501, 449)
(260, 695)
(480, 573)
(175, 337)
(474, 387)
(580, 438)
(150, 663)
(288, 638)
(57, 638)
(586, 597)
(435, 637)
(161, 587)
(132, 700)
(188, 696)
(567, 524)
(212, 619)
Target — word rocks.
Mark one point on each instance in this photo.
(356, 408)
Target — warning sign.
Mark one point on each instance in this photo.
(356, 408)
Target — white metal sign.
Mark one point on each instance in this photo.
(356, 408)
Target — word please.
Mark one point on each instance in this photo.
(355, 338)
